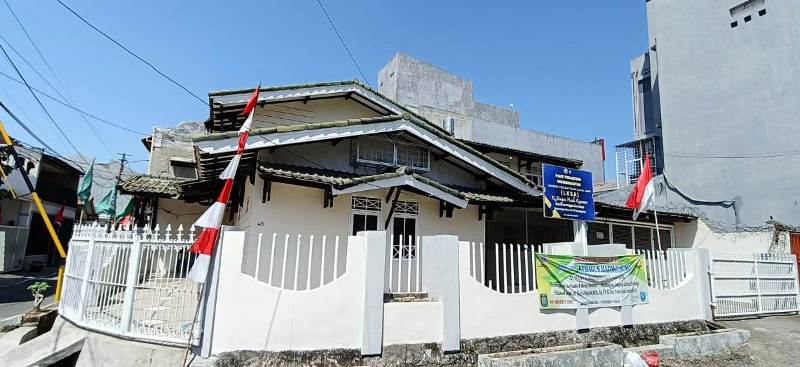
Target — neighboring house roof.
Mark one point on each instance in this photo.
(573, 163)
(616, 198)
(210, 148)
(151, 185)
(344, 182)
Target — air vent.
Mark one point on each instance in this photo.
(449, 124)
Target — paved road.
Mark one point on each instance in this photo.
(773, 341)
(15, 298)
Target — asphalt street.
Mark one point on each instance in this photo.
(15, 298)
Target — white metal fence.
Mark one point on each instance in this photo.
(404, 274)
(506, 268)
(295, 262)
(752, 284)
(665, 269)
(130, 283)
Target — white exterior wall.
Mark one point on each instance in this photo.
(297, 209)
(697, 234)
(178, 213)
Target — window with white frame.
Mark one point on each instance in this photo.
(404, 230)
(365, 214)
(392, 152)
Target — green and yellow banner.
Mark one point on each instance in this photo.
(568, 282)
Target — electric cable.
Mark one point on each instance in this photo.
(341, 39)
(120, 45)
(49, 116)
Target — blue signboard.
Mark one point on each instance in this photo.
(567, 193)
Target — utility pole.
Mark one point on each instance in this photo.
(121, 168)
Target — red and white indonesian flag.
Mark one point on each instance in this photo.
(643, 192)
(211, 220)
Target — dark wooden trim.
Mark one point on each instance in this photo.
(266, 191)
(392, 208)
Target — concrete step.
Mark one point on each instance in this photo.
(63, 340)
(407, 297)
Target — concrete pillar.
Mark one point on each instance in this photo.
(699, 264)
(439, 269)
(581, 241)
(231, 240)
(375, 264)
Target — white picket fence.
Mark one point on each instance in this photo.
(505, 268)
(753, 284)
(403, 270)
(295, 262)
(666, 269)
(130, 282)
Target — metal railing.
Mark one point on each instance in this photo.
(752, 284)
(665, 269)
(404, 258)
(506, 268)
(131, 283)
(295, 262)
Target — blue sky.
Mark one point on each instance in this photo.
(564, 65)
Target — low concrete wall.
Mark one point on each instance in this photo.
(412, 322)
(488, 313)
(252, 315)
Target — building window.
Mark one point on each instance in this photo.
(392, 152)
(404, 237)
(635, 236)
(365, 214)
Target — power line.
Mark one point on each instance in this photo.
(40, 103)
(133, 54)
(30, 132)
(119, 126)
(352, 58)
(36, 47)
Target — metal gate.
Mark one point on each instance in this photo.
(753, 284)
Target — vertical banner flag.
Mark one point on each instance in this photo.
(643, 191)
(85, 188)
(566, 281)
(211, 220)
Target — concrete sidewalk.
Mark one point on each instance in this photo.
(773, 342)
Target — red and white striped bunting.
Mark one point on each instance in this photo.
(211, 220)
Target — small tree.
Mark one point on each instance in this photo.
(37, 289)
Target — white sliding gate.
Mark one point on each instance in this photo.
(753, 284)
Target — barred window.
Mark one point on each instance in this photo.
(383, 151)
(376, 150)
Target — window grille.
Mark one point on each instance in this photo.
(365, 203)
(630, 159)
(382, 151)
(376, 150)
(412, 156)
(407, 207)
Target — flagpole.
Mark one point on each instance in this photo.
(658, 231)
